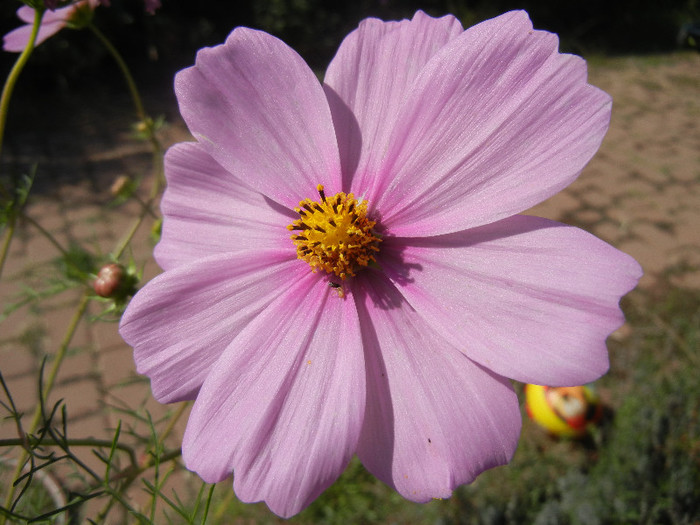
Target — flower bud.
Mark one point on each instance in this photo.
(109, 279)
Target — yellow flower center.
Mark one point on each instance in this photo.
(336, 235)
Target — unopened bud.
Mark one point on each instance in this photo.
(109, 279)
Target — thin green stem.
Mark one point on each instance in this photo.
(48, 385)
(133, 229)
(125, 71)
(62, 350)
(46, 234)
(127, 477)
(79, 442)
(150, 131)
(11, 81)
(7, 91)
(172, 421)
(145, 206)
(9, 233)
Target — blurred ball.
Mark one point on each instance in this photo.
(563, 411)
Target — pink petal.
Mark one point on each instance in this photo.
(209, 211)
(528, 298)
(497, 122)
(181, 321)
(283, 406)
(51, 23)
(367, 81)
(16, 40)
(259, 111)
(26, 14)
(434, 419)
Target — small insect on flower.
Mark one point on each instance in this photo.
(338, 289)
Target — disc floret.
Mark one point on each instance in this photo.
(336, 235)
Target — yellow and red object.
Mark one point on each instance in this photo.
(563, 411)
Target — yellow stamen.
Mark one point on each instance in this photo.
(336, 235)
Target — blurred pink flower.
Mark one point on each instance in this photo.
(53, 21)
(393, 341)
(151, 6)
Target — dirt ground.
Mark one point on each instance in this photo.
(640, 193)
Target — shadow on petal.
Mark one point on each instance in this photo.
(347, 132)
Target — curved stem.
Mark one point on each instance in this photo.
(80, 442)
(150, 131)
(12, 81)
(125, 71)
(48, 385)
(7, 91)
(146, 206)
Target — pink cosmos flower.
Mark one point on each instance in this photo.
(53, 21)
(410, 290)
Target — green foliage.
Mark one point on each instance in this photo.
(11, 207)
(641, 466)
(76, 263)
(646, 467)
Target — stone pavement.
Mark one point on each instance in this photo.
(78, 158)
(640, 193)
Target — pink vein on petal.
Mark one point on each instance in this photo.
(367, 82)
(497, 122)
(282, 408)
(260, 112)
(434, 419)
(181, 321)
(208, 211)
(528, 298)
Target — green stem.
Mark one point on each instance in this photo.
(145, 206)
(46, 234)
(7, 91)
(81, 442)
(48, 385)
(126, 478)
(172, 421)
(125, 71)
(9, 232)
(62, 350)
(134, 228)
(150, 131)
(12, 81)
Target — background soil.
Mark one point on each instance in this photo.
(640, 193)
